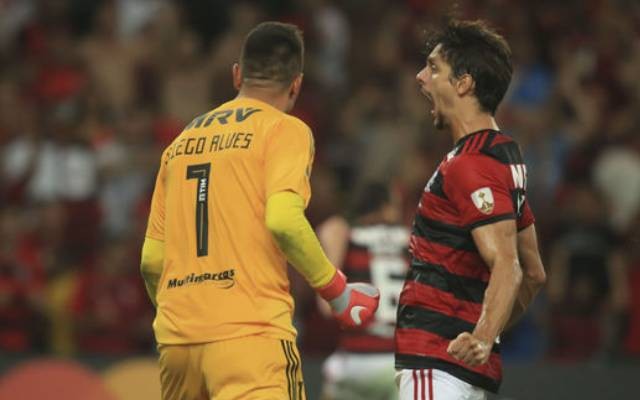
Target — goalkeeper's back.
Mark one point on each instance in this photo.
(223, 274)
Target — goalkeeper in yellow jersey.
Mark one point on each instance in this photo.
(227, 213)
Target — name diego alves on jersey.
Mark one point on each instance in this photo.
(223, 280)
(216, 142)
(208, 143)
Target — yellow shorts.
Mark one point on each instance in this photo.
(247, 368)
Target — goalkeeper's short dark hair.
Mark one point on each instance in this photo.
(273, 51)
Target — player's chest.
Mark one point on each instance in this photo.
(434, 202)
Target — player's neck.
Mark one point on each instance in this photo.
(266, 95)
(464, 124)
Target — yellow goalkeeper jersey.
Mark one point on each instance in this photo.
(223, 275)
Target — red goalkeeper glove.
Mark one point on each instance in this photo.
(353, 304)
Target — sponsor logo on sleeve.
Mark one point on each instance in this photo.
(483, 200)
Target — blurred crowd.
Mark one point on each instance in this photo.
(92, 91)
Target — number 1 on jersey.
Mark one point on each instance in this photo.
(201, 172)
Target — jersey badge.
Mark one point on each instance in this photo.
(483, 200)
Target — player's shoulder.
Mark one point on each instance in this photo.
(291, 129)
(486, 147)
(292, 122)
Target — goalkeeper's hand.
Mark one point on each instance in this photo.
(352, 304)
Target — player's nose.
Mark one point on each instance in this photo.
(420, 76)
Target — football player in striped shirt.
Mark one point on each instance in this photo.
(476, 265)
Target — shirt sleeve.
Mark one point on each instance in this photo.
(155, 225)
(479, 189)
(526, 218)
(288, 159)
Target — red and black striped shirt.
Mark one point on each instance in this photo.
(481, 181)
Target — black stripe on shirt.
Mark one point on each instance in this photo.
(506, 153)
(491, 220)
(442, 233)
(437, 276)
(413, 317)
(445, 326)
(437, 186)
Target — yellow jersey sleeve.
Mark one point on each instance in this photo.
(151, 264)
(288, 158)
(295, 237)
(155, 225)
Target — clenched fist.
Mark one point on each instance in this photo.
(469, 349)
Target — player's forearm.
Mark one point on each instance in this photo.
(528, 291)
(499, 300)
(534, 276)
(286, 220)
(151, 265)
(532, 282)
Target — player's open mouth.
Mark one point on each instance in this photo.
(432, 111)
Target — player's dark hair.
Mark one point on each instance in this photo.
(371, 198)
(273, 51)
(472, 47)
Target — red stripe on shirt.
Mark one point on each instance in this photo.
(474, 142)
(455, 261)
(482, 140)
(426, 344)
(437, 208)
(417, 294)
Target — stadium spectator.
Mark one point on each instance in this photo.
(110, 312)
(22, 284)
(588, 288)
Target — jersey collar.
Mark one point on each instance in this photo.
(468, 136)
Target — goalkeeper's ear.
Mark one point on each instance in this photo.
(236, 72)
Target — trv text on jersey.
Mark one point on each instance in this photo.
(216, 142)
(209, 143)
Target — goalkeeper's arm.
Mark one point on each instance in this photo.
(151, 264)
(353, 304)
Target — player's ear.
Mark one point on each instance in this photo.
(465, 85)
(236, 71)
(295, 87)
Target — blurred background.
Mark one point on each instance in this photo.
(92, 91)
